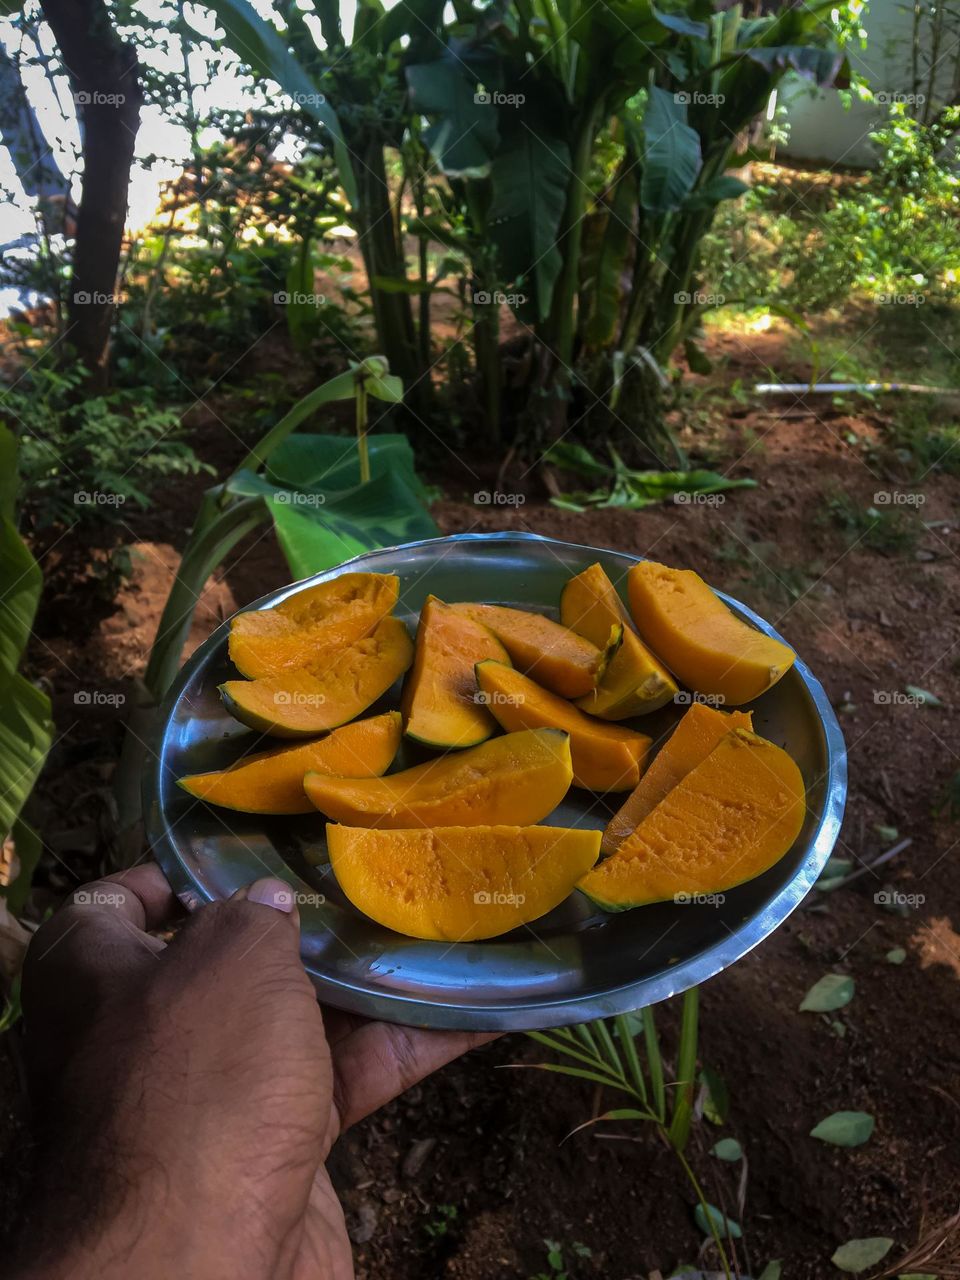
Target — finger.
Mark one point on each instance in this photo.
(158, 904)
(377, 1062)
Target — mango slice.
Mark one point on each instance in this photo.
(272, 781)
(457, 884)
(312, 625)
(517, 779)
(439, 702)
(702, 642)
(634, 681)
(605, 757)
(692, 740)
(730, 819)
(549, 653)
(303, 703)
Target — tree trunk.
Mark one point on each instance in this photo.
(104, 78)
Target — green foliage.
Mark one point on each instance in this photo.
(891, 236)
(26, 729)
(630, 489)
(890, 530)
(608, 1053)
(82, 459)
(520, 105)
(555, 1259)
(322, 516)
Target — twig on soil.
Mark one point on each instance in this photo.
(870, 866)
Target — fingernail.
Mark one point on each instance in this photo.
(271, 892)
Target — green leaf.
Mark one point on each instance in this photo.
(859, 1255)
(725, 187)
(671, 158)
(716, 1103)
(772, 1271)
(529, 179)
(305, 461)
(26, 732)
(923, 696)
(896, 956)
(464, 135)
(845, 1129)
(832, 992)
(20, 583)
(683, 26)
(723, 1225)
(382, 513)
(8, 473)
(727, 1149)
(421, 20)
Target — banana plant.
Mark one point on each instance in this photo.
(329, 498)
(26, 729)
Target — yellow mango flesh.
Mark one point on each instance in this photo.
(699, 638)
(549, 653)
(311, 701)
(311, 625)
(731, 818)
(605, 757)
(458, 884)
(634, 681)
(517, 780)
(272, 781)
(439, 703)
(692, 740)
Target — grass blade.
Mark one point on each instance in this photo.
(570, 1050)
(609, 1049)
(629, 1049)
(679, 1130)
(655, 1064)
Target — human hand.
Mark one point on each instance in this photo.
(188, 1094)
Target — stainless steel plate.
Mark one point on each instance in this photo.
(574, 964)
